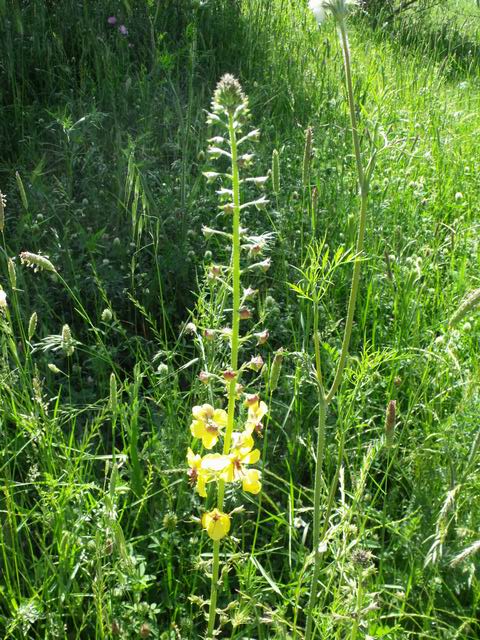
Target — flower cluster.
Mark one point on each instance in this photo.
(208, 425)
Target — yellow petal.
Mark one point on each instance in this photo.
(228, 474)
(220, 417)
(203, 412)
(251, 481)
(252, 457)
(193, 459)
(197, 429)
(202, 486)
(215, 462)
(209, 439)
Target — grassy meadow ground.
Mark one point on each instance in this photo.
(108, 135)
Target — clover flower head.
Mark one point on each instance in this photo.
(123, 30)
(112, 20)
(216, 523)
(208, 424)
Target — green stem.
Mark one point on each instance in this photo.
(322, 414)
(361, 222)
(232, 389)
(325, 400)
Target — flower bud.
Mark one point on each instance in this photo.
(262, 337)
(256, 363)
(228, 95)
(204, 377)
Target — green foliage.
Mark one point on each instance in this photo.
(96, 535)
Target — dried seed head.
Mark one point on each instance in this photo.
(204, 377)
(32, 325)
(113, 394)
(12, 274)
(68, 343)
(144, 630)
(276, 368)
(228, 95)
(307, 156)
(275, 172)
(390, 419)
(262, 337)
(209, 334)
(244, 313)
(469, 304)
(256, 363)
(362, 557)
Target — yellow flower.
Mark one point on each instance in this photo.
(207, 424)
(206, 469)
(197, 475)
(241, 454)
(216, 524)
(256, 412)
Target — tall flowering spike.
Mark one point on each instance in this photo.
(228, 96)
(233, 435)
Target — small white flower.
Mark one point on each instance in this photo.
(3, 300)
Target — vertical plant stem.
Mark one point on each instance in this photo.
(361, 221)
(325, 400)
(322, 414)
(233, 360)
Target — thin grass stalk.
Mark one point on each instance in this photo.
(325, 400)
(233, 360)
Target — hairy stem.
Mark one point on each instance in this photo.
(233, 361)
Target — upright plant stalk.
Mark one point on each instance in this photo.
(233, 360)
(324, 399)
(217, 426)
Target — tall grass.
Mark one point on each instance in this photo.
(96, 535)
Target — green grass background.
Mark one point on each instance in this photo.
(107, 134)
